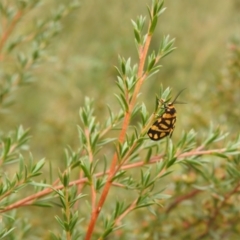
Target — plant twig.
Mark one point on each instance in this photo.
(216, 211)
(6, 34)
(180, 199)
(30, 199)
(128, 210)
(126, 120)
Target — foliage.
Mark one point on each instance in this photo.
(190, 184)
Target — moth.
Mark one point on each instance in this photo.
(165, 124)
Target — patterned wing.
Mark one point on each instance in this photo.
(163, 127)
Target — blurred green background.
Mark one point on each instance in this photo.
(81, 63)
(82, 59)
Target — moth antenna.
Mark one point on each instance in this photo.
(179, 102)
(174, 101)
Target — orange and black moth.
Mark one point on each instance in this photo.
(165, 124)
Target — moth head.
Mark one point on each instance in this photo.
(170, 105)
(169, 108)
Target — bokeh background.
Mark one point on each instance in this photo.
(82, 57)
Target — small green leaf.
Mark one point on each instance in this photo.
(149, 154)
(153, 25)
(137, 36)
(122, 101)
(171, 162)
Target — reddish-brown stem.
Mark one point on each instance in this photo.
(112, 171)
(79, 190)
(182, 198)
(10, 29)
(216, 211)
(30, 199)
(128, 210)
